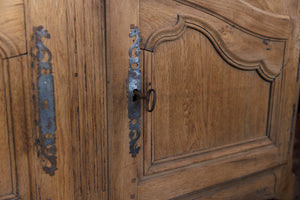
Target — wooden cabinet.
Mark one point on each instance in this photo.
(226, 79)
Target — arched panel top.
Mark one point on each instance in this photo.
(269, 73)
(246, 16)
(12, 28)
(7, 47)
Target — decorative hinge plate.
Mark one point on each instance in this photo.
(134, 83)
(46, 104)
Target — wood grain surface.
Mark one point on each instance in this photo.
(178, 67)
(199, 101)
(227, 85)
(77, 44)
(12, 28)
(15, 177)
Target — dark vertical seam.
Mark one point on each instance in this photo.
(106, 160)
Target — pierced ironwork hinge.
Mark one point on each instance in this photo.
(46, 104)
(134, 84)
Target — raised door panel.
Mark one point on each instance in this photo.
(14, 182)
(203, 103)
(218, 90)
(209, 98)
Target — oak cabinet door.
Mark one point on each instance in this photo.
(217, 69)
(225, 75)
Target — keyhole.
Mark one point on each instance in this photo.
(135, 96)
(46, 105)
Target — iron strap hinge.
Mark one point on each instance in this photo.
(46, 104)
(134, 83)
(134, 93)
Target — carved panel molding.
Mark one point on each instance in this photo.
(224, 38)
(7, 46)
(184, 22)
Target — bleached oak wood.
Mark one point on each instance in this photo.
(186, 44)
(227, 85)
(12, 28)
(77, 45)
(14, 170)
